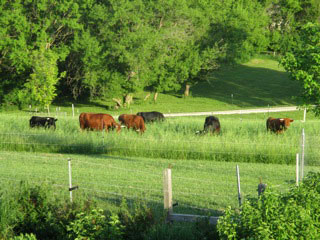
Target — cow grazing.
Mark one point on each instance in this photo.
(278, 125)
(151, 116)
(132, 121)
(46, 122)
(98, 121)
(211, 125)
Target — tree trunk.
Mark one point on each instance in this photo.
(155, 96)
(187, 90)
(128, 99)
(118, 103)
(146, 97)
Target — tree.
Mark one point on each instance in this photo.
(286, 20)
(303, 64)
(40, 88)
(31, 32)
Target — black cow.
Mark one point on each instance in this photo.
(45, 122)
(211, 125)
(151, 116)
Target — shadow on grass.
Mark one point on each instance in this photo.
(158, 205)
(246, 86)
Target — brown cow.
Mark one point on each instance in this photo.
(132, 121)
(278, 125)
(98, 121)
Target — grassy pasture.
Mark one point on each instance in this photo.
(199, 186)
(243, 139)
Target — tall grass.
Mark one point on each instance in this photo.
(241, 140)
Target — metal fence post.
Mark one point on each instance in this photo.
(238, 181)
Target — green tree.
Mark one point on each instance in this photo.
(286, 20)
(26, 29)
(40, 88)
(303, 64)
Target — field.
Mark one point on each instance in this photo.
(109, 166)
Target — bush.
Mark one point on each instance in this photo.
(24, 237)
(135, 223)
(95, 225)
(291, 215)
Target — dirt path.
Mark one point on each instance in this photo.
(245, 111)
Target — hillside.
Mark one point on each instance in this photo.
(257, 83)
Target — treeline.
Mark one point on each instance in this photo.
(115, 48)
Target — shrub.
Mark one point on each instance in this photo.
(95, 225)
(36, 213)
(137, 222)
(24, 237)
(291, 215)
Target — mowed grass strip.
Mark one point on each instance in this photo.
(199, 186)
(243, 139)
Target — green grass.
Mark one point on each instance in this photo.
(110, 166)
(197, 185)
(243, 139)
(257, 83)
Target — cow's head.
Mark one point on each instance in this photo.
(286, 122)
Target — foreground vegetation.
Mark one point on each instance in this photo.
(291, 215)
(28, 211)
(32, 212)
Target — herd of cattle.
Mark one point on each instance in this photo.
(100, 121)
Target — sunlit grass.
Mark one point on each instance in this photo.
(199, 186)
(242, 139)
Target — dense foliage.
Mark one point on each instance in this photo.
(291, 215)
(33, 213)
(113, 49)
(303, 64)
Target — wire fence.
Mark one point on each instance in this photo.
(112, 179)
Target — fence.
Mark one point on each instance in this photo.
(198, 187)
(268, 110)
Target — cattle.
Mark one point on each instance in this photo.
(98, 121)
(151, 116)
(46, 122)
(211, 125)
(132, 121)
(278, 125)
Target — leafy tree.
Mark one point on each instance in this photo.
(286, 20)
(27, 28)
(241, 27)
(40, 88)
(303, 64)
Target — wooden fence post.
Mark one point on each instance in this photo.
(167, 191)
